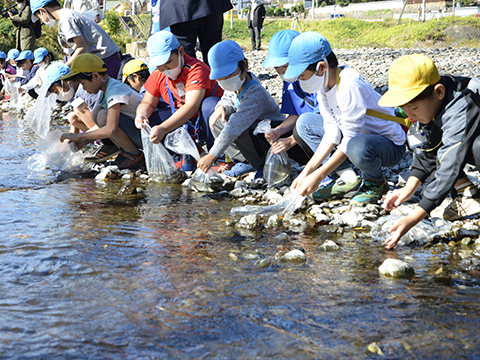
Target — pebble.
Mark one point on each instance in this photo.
(396, 268)
(262, 263)
(273, 221)
(281, 237)
(294, 256)
(329, 245)
(248, 222)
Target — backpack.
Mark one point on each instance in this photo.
(37, 27)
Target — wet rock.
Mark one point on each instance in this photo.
(281, 237)
(272, 196)
(467, 241)
(373, 209)
(127, 189)
(228, 184)
(144, 177)
(248, 222)
(330, 229)
(240, 184)
(280, 254)
(329, 245)
(470, 264)
(352, 218)
(108, 172)
(294, 256)
(251, 256)
(262, 263)
(127, 177)
(239, 192)
(396, 268)
(233, 257)
(273, 221)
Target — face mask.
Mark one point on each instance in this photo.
(173, 74)
(21, 6)
(51, 22)
(69, 51)
(62, 96)
(292, 80)
(231, 84)
(43, 65)
(315, 83)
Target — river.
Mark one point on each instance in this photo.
(88, 274)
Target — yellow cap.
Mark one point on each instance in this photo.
(85, 63)
(408, 76)
(132, 67)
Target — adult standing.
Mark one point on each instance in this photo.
(88, 7)
(23, 23)
(192, 19)
(256, 16)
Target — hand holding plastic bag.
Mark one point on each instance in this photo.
(277, 166)
(291, 201)
(39, 115)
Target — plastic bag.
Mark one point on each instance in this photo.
(160, 165)
(181, 142)
(276, 170)
(16, 101)
(291, 202)
(57, 155)
(420, 234)
(39, 115)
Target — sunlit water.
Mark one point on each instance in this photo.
(88, 274)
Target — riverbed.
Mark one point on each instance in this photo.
(87, 274)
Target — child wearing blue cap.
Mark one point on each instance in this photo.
(42, 58)
(5, 70)
(244, 104)
(353, 123)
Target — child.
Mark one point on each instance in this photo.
(115, 120)
(80, 32)
(5, 69)
(25, 62)
(345, 101)
(183, 83)
(244, 104)
(295, 101)
(135, 73)
(42, 59)
(447, 110)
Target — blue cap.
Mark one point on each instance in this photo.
(35, 5)
(54, 72)
(160, 46)
(307, 48)
(39, 54)
(2, 55)
(278, 48)
(223, 58)
(12, 54)
(24, 55)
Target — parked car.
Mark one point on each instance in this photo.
(336, 16)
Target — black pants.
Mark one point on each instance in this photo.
(208, 30)
(256, 34)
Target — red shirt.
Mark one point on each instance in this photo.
(194, 76)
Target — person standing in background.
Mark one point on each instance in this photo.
(23, 23)
(192, 19)
(87, 7)
(256, 15)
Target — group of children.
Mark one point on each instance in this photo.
(331, 119)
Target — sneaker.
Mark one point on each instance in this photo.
(238, 169)
(129, 161)
(459, 208)
(369, 192)
(102, 153)
(336, 188)
(258, 178)
(223, 166)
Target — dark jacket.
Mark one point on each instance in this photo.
(25, 30)
(451, 137)
(258, 16)
(178, 11)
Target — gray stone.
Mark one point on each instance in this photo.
(396, 268)
(239, 192)
(240, 184)
(262, 263)
(329, 245)
(273, 221)
(294, 256)
(281, 237)
(248, 222)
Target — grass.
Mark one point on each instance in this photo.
(349, 32)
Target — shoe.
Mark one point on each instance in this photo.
(238, 169)
(336, 188)
(129, 161)
(258, 178)
(369, 192)
(459, 208)
(102, 153)
(223, 166)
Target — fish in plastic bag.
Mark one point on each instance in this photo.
(276, 170)
(291, 202)
(181, 142)
(160, 164)
(39, 115)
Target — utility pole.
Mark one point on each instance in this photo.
(423, 11)
(313, 9)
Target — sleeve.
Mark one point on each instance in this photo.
(228, 101)
(23, 18)
(34, 82)
(424, 164)
(71, 28)
(198, 78)
(287, 103)
(30, 76)
(117, 95)
(330, 125)
(249, 110)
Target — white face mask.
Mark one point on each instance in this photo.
(232, 84)
(42, 64)
(62, 96)
(21, 6)
(51, 22)
(315, 83)
(173, 74)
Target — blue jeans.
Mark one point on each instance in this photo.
(309, 128)
(369, 153)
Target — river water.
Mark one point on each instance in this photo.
(88, 274)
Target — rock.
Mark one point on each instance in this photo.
(251, 256)
(127, 177)
(239, 192)
(279, 254)
(240, 185)
(329, 245)
(294, 256)
(233, 257)
(228, 184)
(281, 237)
(262, 263)
(144, 177)
(470, 264)
(396, 268)
(272, 196)
(108, 172)
(273, 221)
(248, 222)
(467, 241)
(127, 189)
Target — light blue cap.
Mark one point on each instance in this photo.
(223, 58)
(35, 5)
(307, 48)
(54, 72)
(2, 55)
(278, 48)
(39, 54)
(160, 46)
(24, 55)
(12, 54)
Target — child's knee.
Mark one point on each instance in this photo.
(101, 118)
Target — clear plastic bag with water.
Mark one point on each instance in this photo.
(276, 170)
(160, 164)
(57, 155)
(420, 234)
(39, 115)
(16, 101)
(291, 201)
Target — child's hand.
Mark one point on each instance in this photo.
(141, 119)
(71, 137)
(206, 162)
(157, 134)
(396, 198)
(309, 184)
(397, 230)
(283, 145)
(219, 113)
(272, 136)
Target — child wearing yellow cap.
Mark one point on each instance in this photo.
(446, 136)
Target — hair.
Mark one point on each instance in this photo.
(85, 76)
(242, 64)
(332, 62)
(144, 74)
(52, 4)
(425, 94)
(175, 51)
(58, 82)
